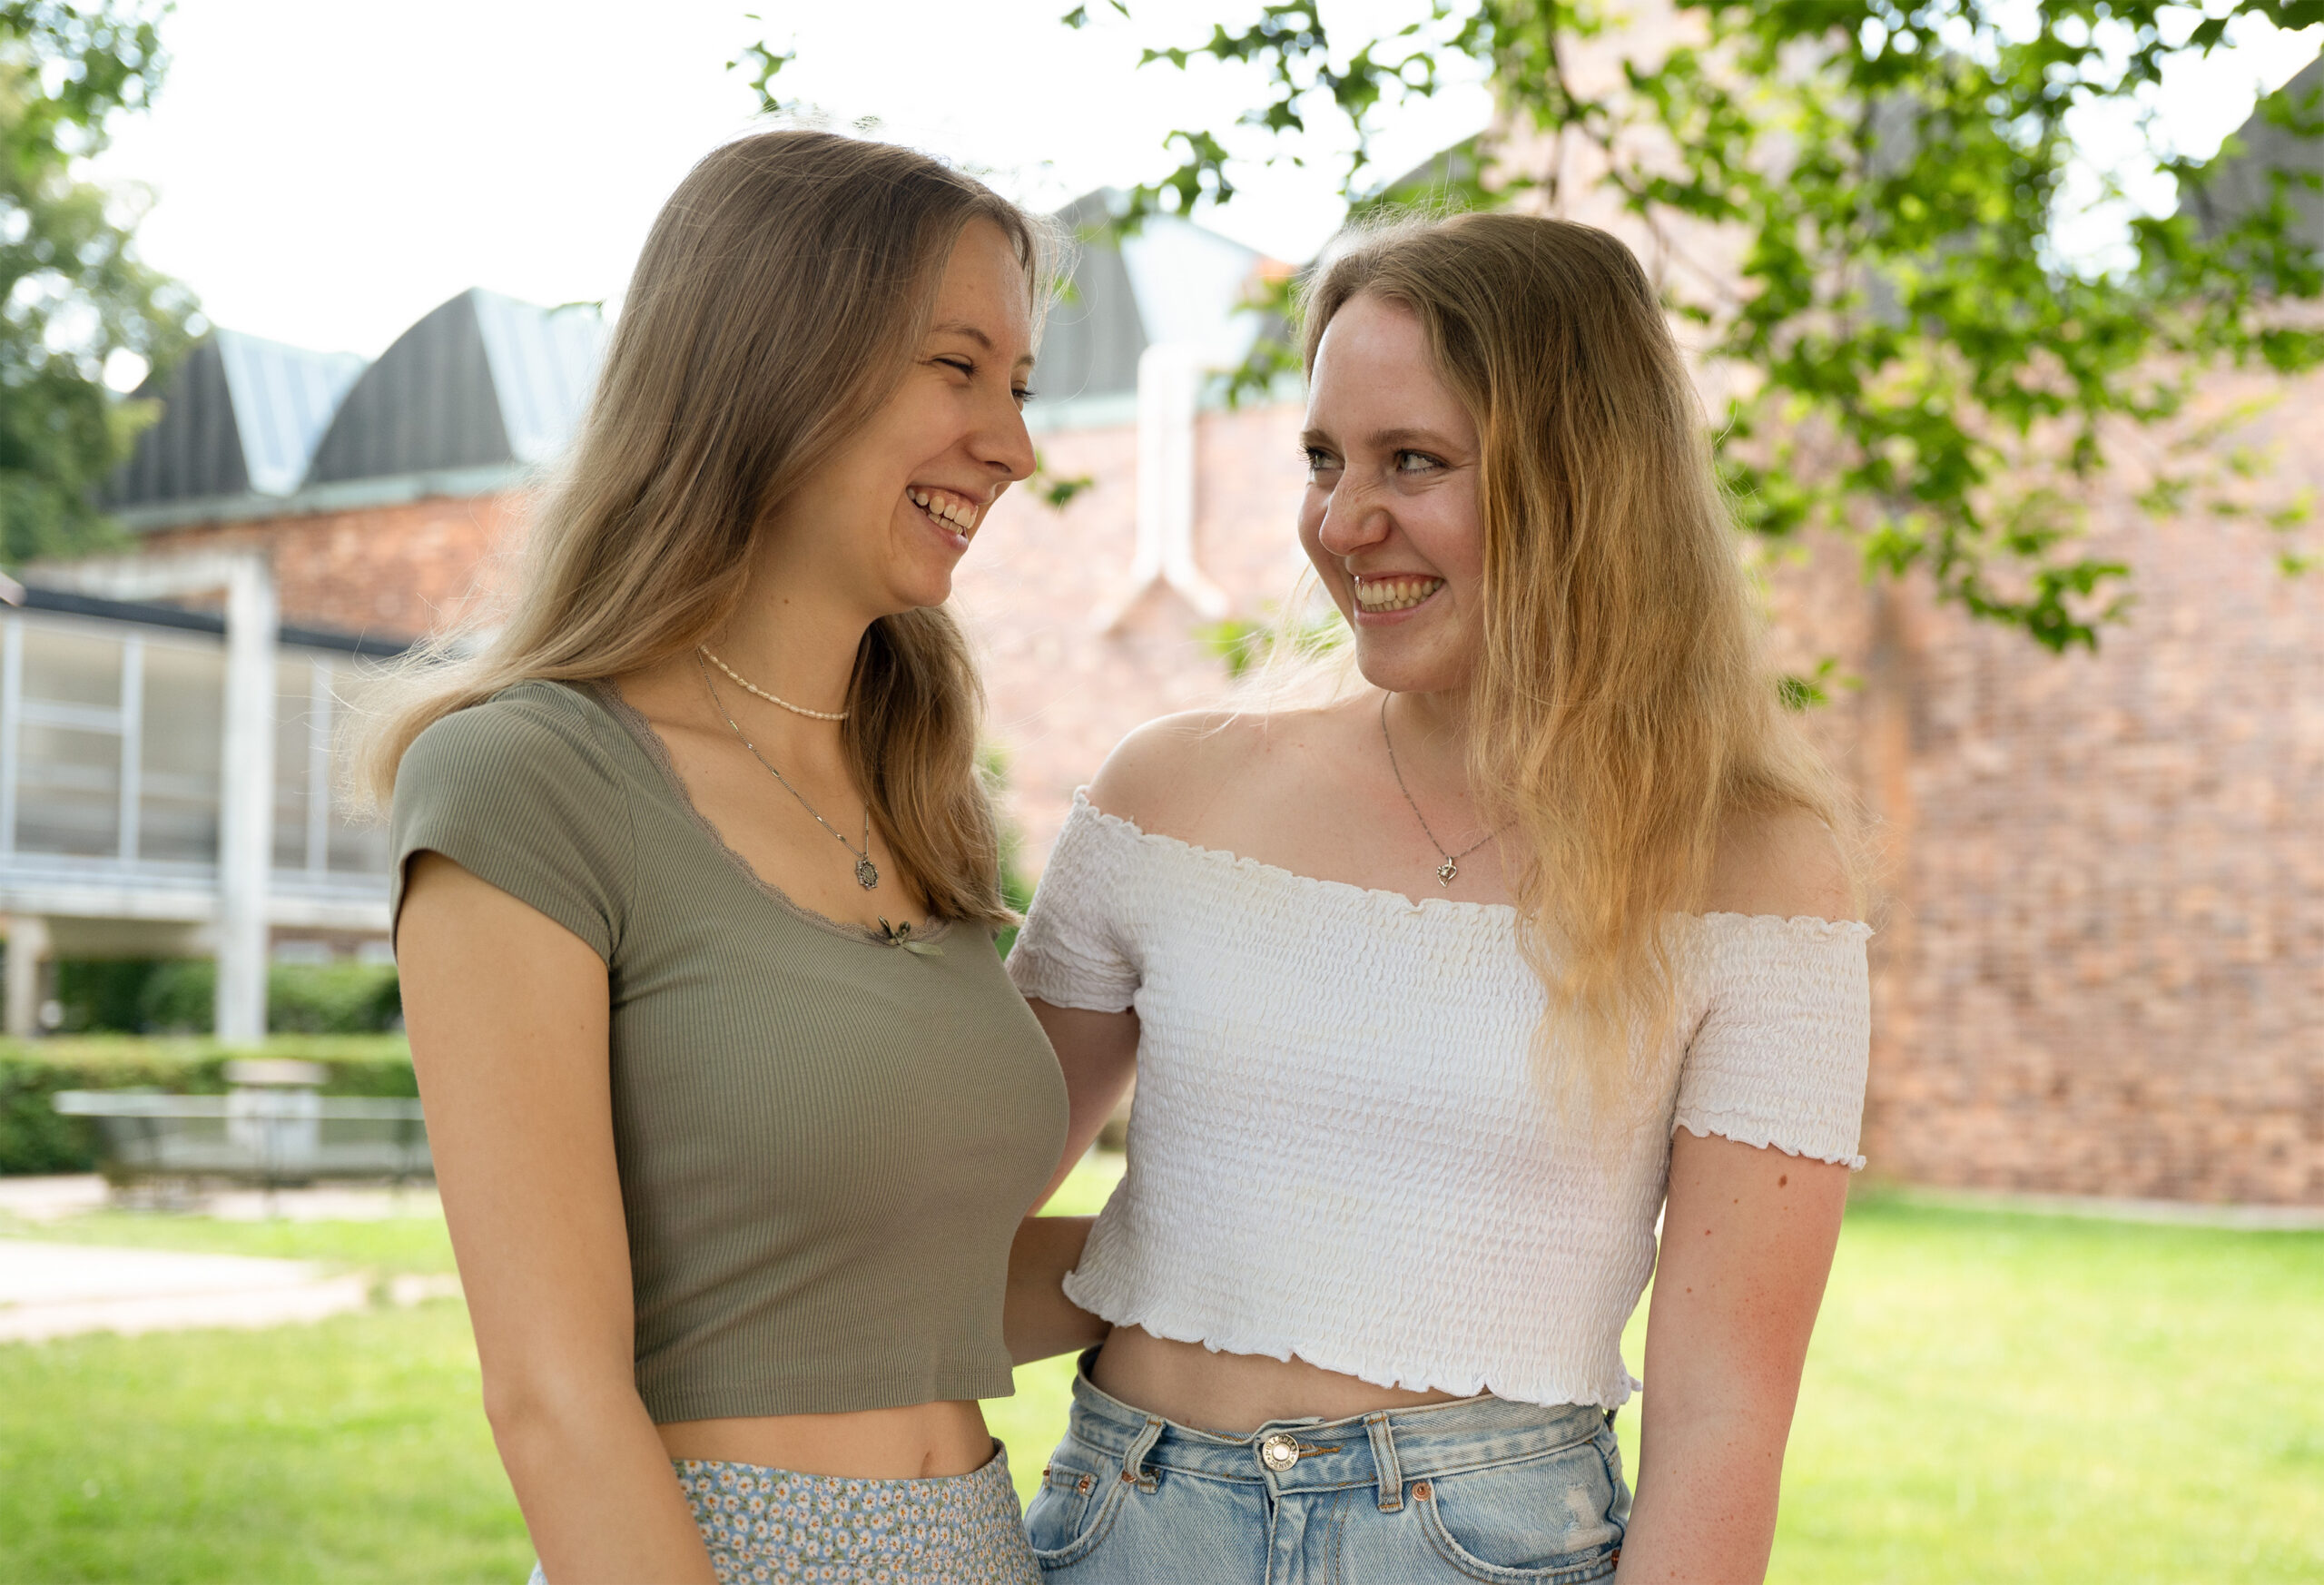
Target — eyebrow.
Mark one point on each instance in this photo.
(1388, 440)
(962, 328)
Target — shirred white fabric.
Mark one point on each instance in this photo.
(1337, 1150)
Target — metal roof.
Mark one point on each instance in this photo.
(544, 365)
(1090, 344)
(483, 378)
(484, 386)
(240, 415)
(2239, 184)
(1171, 280)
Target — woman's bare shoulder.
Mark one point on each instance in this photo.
(1783, 862)
(1171, 774)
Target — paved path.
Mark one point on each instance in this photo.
(49, 1200)
(56, 1290)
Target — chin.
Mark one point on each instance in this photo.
(1407, 669)
(923, 588)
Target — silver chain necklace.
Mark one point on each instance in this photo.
(867, 874)
(1447, 871)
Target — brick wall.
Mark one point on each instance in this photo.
(394, 571)
(2101, 967)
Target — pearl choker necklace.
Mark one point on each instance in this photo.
(752, 687)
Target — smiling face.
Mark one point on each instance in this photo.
(882, 523)
(1390, 517)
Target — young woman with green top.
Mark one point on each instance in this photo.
(734, 1109)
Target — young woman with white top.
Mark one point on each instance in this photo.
(1438, 993)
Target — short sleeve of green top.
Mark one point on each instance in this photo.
(825, 1143)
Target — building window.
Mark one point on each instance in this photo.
(112, 749)
(180, 740)
(74, 698)
(313, 832)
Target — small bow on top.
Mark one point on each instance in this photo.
(897, 935)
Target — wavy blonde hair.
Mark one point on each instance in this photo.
(1620, 710)
(775, 308)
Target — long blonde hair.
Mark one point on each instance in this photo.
(1618, 710)
(774, 307)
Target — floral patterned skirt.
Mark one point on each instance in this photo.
(763, 1524)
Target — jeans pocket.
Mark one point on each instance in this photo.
(1071, 1512)
(1545, 1520)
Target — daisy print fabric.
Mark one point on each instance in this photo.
(777, 1525)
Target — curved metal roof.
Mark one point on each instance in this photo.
(240, 416)
(483, 378)
(1171, 280)
(2244, 182)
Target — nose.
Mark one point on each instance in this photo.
(1003, 445)
(1353, 518)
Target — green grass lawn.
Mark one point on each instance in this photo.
(1995, 1398)
(389, 1246)
(349, 1452)
(1991, 1398)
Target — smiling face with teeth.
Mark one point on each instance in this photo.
(882, 523)
(1390, 518)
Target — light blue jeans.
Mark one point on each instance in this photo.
(1481, 1488)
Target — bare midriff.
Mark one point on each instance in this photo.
(1234, 1394)
(917, 1441)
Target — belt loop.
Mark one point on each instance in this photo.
(1140, 1445)
(1384, 1462)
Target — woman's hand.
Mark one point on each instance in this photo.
(1037, 1319)
(509, 1014)
(1748, 1238)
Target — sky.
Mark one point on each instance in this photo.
(325, 171)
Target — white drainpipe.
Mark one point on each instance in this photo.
(1169, 391)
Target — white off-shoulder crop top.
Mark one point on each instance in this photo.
(1338, 1149)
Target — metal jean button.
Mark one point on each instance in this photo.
(1279, 1451)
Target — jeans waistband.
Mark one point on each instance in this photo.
(1385, 1448)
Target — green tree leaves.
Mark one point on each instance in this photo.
(1860, 202)
(72, 291)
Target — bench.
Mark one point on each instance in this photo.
(272, 1137)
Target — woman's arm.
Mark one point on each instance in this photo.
(1098, 1052)
(508, 1013)
(1748, 1235)
(1746, 1244)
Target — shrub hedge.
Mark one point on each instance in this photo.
(163, 996)
(34, 1138)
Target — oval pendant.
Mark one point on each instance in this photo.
(867, 874)
(1445, 872)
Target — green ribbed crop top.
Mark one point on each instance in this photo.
(825, 1143)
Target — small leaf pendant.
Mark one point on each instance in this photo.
(867, 874)
(1445, 872)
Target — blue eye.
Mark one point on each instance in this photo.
(1425, 460)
